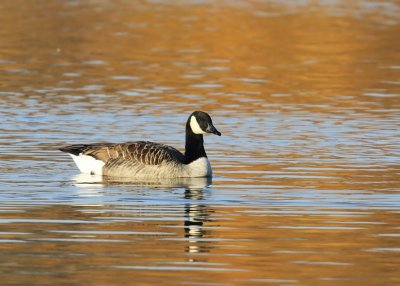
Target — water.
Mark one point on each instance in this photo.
(306, 174)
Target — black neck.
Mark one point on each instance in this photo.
(194, 148)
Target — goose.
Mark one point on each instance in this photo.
(144, 159)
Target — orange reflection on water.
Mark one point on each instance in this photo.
(306, 179)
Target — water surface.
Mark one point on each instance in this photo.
(306, 175)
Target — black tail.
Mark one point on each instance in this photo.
(77, 149)
(74, 149)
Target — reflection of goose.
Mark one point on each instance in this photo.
(83, 180)
(87, 180)
(187, 183)
(195, 215)
(146, 159)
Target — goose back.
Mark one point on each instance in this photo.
(143, 152)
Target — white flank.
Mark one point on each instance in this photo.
(195, 126)
(200, 168)
(88, 164)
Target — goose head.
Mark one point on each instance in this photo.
(200, 123)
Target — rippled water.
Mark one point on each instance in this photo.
(306, 175)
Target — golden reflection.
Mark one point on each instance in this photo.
(89, 243)
(334, 58)
(335, 61)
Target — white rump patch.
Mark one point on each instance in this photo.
(200, 168)
(88, 164)
(195, 126)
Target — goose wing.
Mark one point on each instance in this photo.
(147, 153)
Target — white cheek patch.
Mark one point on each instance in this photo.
(195, 126)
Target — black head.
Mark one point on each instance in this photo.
(200, 123)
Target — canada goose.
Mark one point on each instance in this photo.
(144, 159)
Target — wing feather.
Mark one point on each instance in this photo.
(147, 153)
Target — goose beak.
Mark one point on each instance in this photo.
(213, 130)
